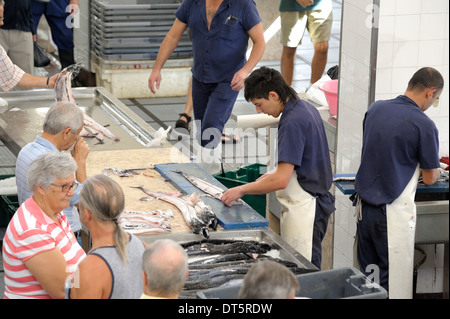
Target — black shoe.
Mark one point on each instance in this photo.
(183, 125)
(229, 138)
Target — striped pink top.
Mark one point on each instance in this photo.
(29, 233)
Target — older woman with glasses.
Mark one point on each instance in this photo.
(40, 250)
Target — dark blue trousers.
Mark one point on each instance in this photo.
(62, 34)
(213, 103)
(372, 242)
(320, 228)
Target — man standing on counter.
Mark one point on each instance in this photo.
(62, 126)
(303, 176)
(398, 141)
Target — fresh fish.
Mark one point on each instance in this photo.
(237, 269)
(146, 222)
(119, 172)
(100, 131)
(232, 263)
(238, 246)
(198, 217)
(213, 282)
(207, 188)
(63, 93)
(228, 257)
(63, 84)
(157, 213)
(144, 229)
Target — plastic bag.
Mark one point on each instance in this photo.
(333, 72)
(159, 138)
(40, 57)
(315, 94)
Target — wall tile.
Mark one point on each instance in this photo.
(431, 53)
(407, 7)
(407, 28)
(388, 8)
(432, 26)
(435, 6)
(406, 53)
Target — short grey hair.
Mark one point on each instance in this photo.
(47, 167)
(165, 263)
(2, 3)
(62, 115)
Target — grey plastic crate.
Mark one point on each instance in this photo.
(147, 21)
(343, 283)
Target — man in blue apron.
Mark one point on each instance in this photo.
(303, 176)
(398, 140)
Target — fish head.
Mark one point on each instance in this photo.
(205, 232)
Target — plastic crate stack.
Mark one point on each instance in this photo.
(126, 30)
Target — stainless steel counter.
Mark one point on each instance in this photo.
(23, 120)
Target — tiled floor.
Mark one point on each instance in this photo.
(163, 112)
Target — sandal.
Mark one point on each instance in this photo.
(180, 124)
(229, 138)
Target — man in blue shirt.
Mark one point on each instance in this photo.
(220, 32)
(62, 126)
(398, 139)
(303, 175)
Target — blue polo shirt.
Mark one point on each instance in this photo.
(219, 52)
(397, 136)
(302, 142)
(26, 155)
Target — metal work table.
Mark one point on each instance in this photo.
(23, 120)
(432, 210)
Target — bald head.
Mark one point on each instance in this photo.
(164, 264)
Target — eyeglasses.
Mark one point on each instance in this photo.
(67, 187)
(436, 103)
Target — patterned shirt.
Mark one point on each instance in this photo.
(10, 74)
(29, 233)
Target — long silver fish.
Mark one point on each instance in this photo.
(207, 188)
(63, 93)
(142, 223)
(199, 218)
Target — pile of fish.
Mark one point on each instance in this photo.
(119, 172)
(63, 93)
(146, 223)
(196, 213)
(220, 262)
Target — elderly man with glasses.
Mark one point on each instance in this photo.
(62, 126)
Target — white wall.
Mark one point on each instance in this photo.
(411, 34)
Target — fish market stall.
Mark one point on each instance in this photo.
(23, 121)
